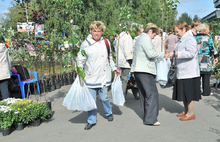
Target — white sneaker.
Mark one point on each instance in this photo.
(211, 93)
(157, 123)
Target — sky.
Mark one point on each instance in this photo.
(193, 7)
(196, 7)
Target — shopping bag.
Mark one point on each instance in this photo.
(117, 92)
(79, 98)
(162, 71)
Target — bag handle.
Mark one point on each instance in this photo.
(174, 58)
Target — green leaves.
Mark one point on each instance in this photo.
(81, 72)
(83, 52)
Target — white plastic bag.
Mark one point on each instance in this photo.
(117, 92)
(162, 71)
(79, 98)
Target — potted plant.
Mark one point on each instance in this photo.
(7, 116)
(38, 111)
(22, 116)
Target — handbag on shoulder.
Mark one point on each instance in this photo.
(172, 71)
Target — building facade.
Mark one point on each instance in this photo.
(215, 15)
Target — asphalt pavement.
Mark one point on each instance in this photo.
(127, 126)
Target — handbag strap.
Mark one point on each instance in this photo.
(108, 48)
(174, 58)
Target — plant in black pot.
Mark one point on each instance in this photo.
(38, 111)
(7, 118)
(22, 116)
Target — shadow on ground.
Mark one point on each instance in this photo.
(215, 103)
(82, 117)
(169, 105)
(164, 102)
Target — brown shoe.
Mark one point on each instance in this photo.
(181, 114)
(185, 118)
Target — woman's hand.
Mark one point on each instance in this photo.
(215, 61)
(166, 56)
(171, 54)
(116, 71)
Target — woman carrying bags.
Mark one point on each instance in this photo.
(144, 68)
(187, 86)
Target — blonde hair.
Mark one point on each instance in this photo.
(195, 23)
(153, 27)
(140, 29)
(203, 27)
(182, 25)
(97, 25)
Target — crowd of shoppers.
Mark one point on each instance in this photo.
(193, 49)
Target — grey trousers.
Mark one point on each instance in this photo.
(148, 96)
(124, 79)
(4, 89)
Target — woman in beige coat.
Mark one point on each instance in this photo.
(5, 66)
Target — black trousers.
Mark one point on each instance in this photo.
(148, 96)
(206, 84)
(4, 89)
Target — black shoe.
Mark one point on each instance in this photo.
(110, 117)
(89, 126)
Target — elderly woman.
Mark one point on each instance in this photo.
(5, 67)
(187, 86)
(98, 67)
(206, 50)
(144, 69)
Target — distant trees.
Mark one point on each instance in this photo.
(187, 18)
(108, 11)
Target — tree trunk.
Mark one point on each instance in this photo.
(167, 20)
(162, 19)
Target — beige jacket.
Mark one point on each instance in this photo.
(5, 63)
(158, 43)
(125, 52)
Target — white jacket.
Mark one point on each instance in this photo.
(96, 66)
(125, 47)
(5, 63)
(187, 59)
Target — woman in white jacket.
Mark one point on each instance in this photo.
(98, 67)
(187, 86)
(5, 66)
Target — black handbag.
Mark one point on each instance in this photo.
(172, 72)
